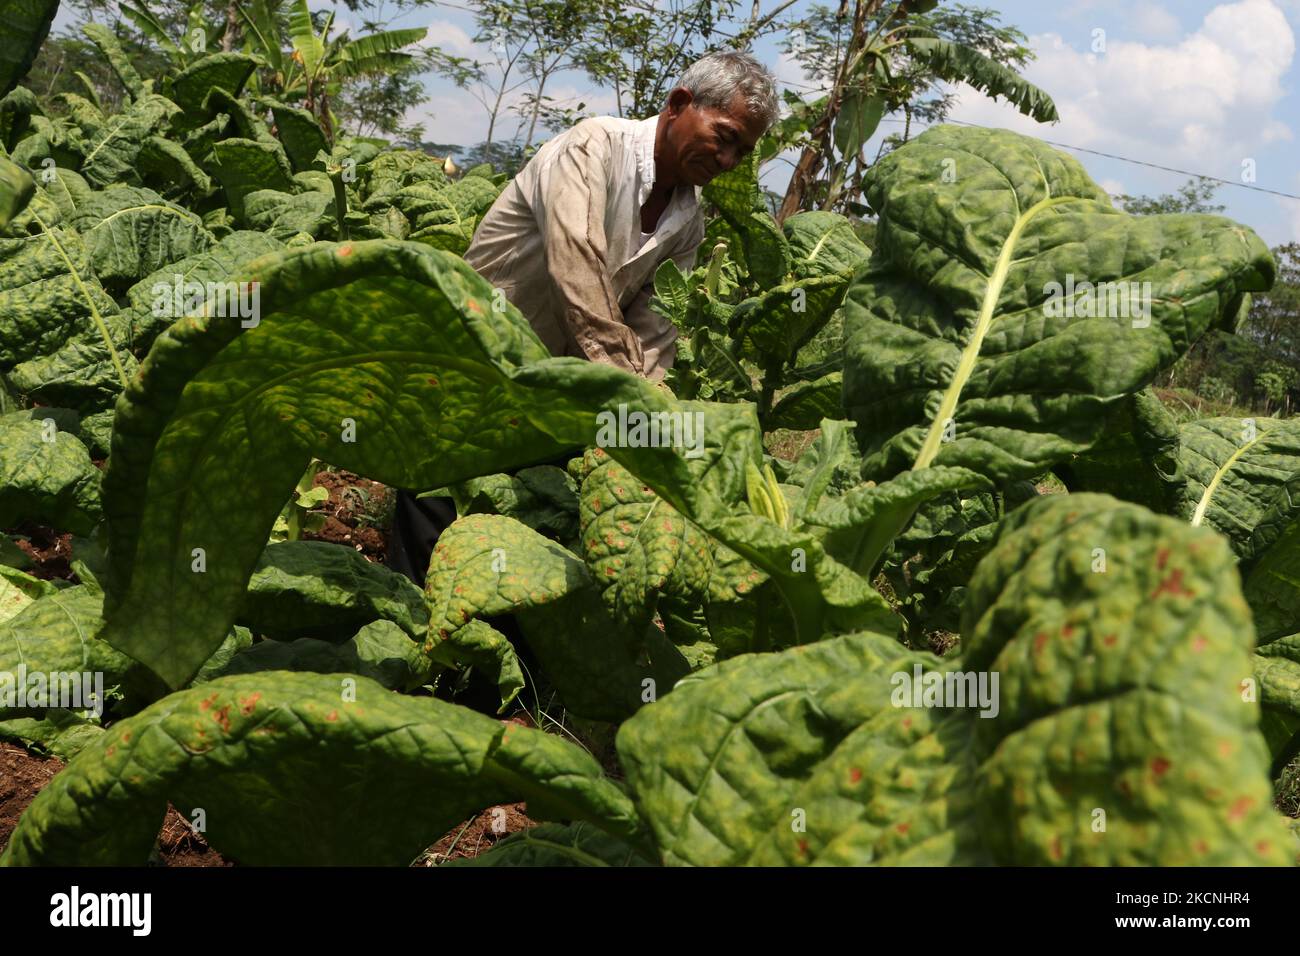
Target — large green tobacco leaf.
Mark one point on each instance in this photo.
(861, 523)
(82, 373)
(822, 243)
(226, 71)
(956, 355)
(280, 764)
(327, 591)
(48, 293)
(107, 42)
(17, 590)
(807, 403)
(16, 190)
(544, 497)
(779, 321)
(56, 633)
(1137, 668)
(131, 232)
(111, 147)
(446, 216)
(300, 134)
(46, 475)
(284, 215)
(56, 320)
(392, 170)
(152, 304)
(765, 251)
(487, 565)
(1243, 480)
(1277, 671)
(166, 165)
(635, 544)
(244, 166)
(23, 27)
(1240, 471)
(1119, 691)
(385, 358)
(1136, 457)
(380, 651)
(60, 732)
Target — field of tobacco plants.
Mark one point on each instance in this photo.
(897, 648)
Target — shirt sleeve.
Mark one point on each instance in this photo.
(569, 203)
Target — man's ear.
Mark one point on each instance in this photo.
(678, 100)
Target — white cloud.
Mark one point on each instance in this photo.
(1155, 22)
(1113, 186)
(1203, 103)
(452, 39)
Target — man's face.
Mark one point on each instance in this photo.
(706, 141)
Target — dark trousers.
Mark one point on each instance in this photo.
(417, 525)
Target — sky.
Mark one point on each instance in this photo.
(1209, 88)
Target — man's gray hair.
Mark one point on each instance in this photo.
(714, 80)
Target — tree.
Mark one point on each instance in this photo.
(1193, 196)
(319, 64)
(878, 60)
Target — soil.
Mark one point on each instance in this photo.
(49, 550)
(179, 845)
(357, 513)
(22, 776)
(478, 834)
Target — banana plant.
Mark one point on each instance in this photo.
(317, 64)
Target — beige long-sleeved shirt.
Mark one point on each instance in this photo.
(563, 243)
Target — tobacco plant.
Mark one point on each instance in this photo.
(721, 608)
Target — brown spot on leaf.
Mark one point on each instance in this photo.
(1110, 639)
(1199, 643)
(855, 775)
(1040, 641)
(1162, 558)
(1160, 766)
(249, 703)
(1173, 586)
(222, 717)
(344, 251)
(1239, 808)
(332, 716)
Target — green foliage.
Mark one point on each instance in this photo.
(716, 603)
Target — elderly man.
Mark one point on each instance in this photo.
(575, 239)
(573, 242)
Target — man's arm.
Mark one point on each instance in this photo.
(569, 203)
